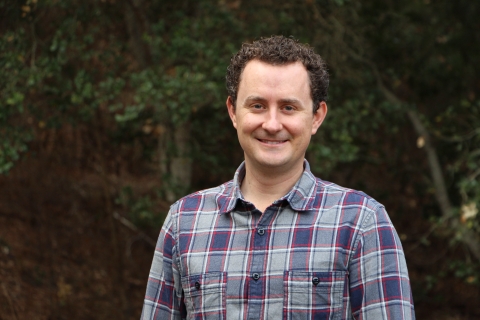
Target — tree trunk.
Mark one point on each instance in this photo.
(175, 163)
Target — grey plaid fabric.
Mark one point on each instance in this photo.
(319, 252)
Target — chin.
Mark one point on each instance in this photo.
(273, 163)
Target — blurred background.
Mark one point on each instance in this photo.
(111, 110)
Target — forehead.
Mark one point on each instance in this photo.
(291, 78)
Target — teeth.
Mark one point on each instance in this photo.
(271, 142)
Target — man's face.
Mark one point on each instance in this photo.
(274, 115)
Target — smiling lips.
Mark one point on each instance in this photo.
(272, 142)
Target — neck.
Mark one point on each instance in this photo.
(263, 187)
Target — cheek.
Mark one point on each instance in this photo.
(248, 125)
(301, 129)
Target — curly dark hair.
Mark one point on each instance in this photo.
(279, 50)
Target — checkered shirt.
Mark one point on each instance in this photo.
(319, 252)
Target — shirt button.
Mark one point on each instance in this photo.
(315, 281)
(255, 276)
(261, 231)
(197, 285)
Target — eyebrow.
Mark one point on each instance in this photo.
(254, 98)
(282, 101)
(290, 101)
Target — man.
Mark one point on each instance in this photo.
(276, 242)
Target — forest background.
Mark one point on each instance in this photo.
(110, 110)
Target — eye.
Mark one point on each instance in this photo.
(257, 106)
(288, 108)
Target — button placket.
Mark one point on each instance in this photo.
(257, 287)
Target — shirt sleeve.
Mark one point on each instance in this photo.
(379, 282)
(164, 298)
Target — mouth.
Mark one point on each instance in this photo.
(272, 142)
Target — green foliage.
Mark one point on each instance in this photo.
(13, 90)
(468, 272)
(161, 68)
(141, 210)
(129, 76)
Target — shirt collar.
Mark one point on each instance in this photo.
(301, 197)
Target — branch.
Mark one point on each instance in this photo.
(468, 237)
(434, 164)
(467, 136)
(127, 223)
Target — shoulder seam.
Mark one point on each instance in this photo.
(362, 223)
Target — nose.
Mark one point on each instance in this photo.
(272, 122)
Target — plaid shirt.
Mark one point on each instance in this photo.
(319, 252)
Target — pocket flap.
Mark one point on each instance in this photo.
(202, 284)
(300, 281)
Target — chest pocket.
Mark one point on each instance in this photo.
(205, 296)
(313, 295)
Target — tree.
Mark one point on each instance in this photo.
(111, 87)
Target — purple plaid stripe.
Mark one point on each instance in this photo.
(320, 252)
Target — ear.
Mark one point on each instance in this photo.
(319, 116)
(231, 111)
